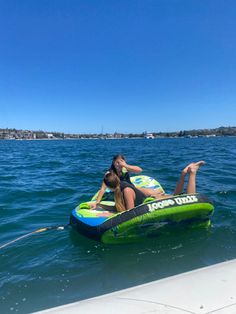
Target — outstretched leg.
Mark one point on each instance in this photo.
(191, 188)
(191, 169)
(180, 184)
(148, 192)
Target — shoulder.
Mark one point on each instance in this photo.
(128, 191)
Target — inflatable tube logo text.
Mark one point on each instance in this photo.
(180, 200)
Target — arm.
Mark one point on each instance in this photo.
(131, 168)
(99, 197)
(129, 197)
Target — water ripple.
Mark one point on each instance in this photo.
(42, 181)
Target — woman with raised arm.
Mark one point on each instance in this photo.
(122, 170)
(127, 196)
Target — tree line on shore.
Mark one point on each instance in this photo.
(28, 134)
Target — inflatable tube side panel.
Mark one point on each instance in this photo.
(143, 219)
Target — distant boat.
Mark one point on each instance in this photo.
(149, 136)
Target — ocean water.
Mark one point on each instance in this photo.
(42, 181)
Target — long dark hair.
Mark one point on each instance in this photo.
(112, 181)
(113, 168)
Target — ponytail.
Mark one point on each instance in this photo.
(119, 199)
(112, 181)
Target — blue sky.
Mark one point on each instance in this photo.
(118, 65)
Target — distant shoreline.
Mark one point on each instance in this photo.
(14, 134)
(125, 138)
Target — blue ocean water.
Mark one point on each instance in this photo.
(42, 181)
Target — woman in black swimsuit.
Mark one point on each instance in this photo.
(127, 196)
(120, 167)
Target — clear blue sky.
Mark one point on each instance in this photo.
(117, 65)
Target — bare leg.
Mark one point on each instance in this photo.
(180, 184)
(178, 189)
(191, 169)
(148, 192)
(191, 188)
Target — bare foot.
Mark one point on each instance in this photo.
(186, 169)
(195, 166)
(200, 163)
